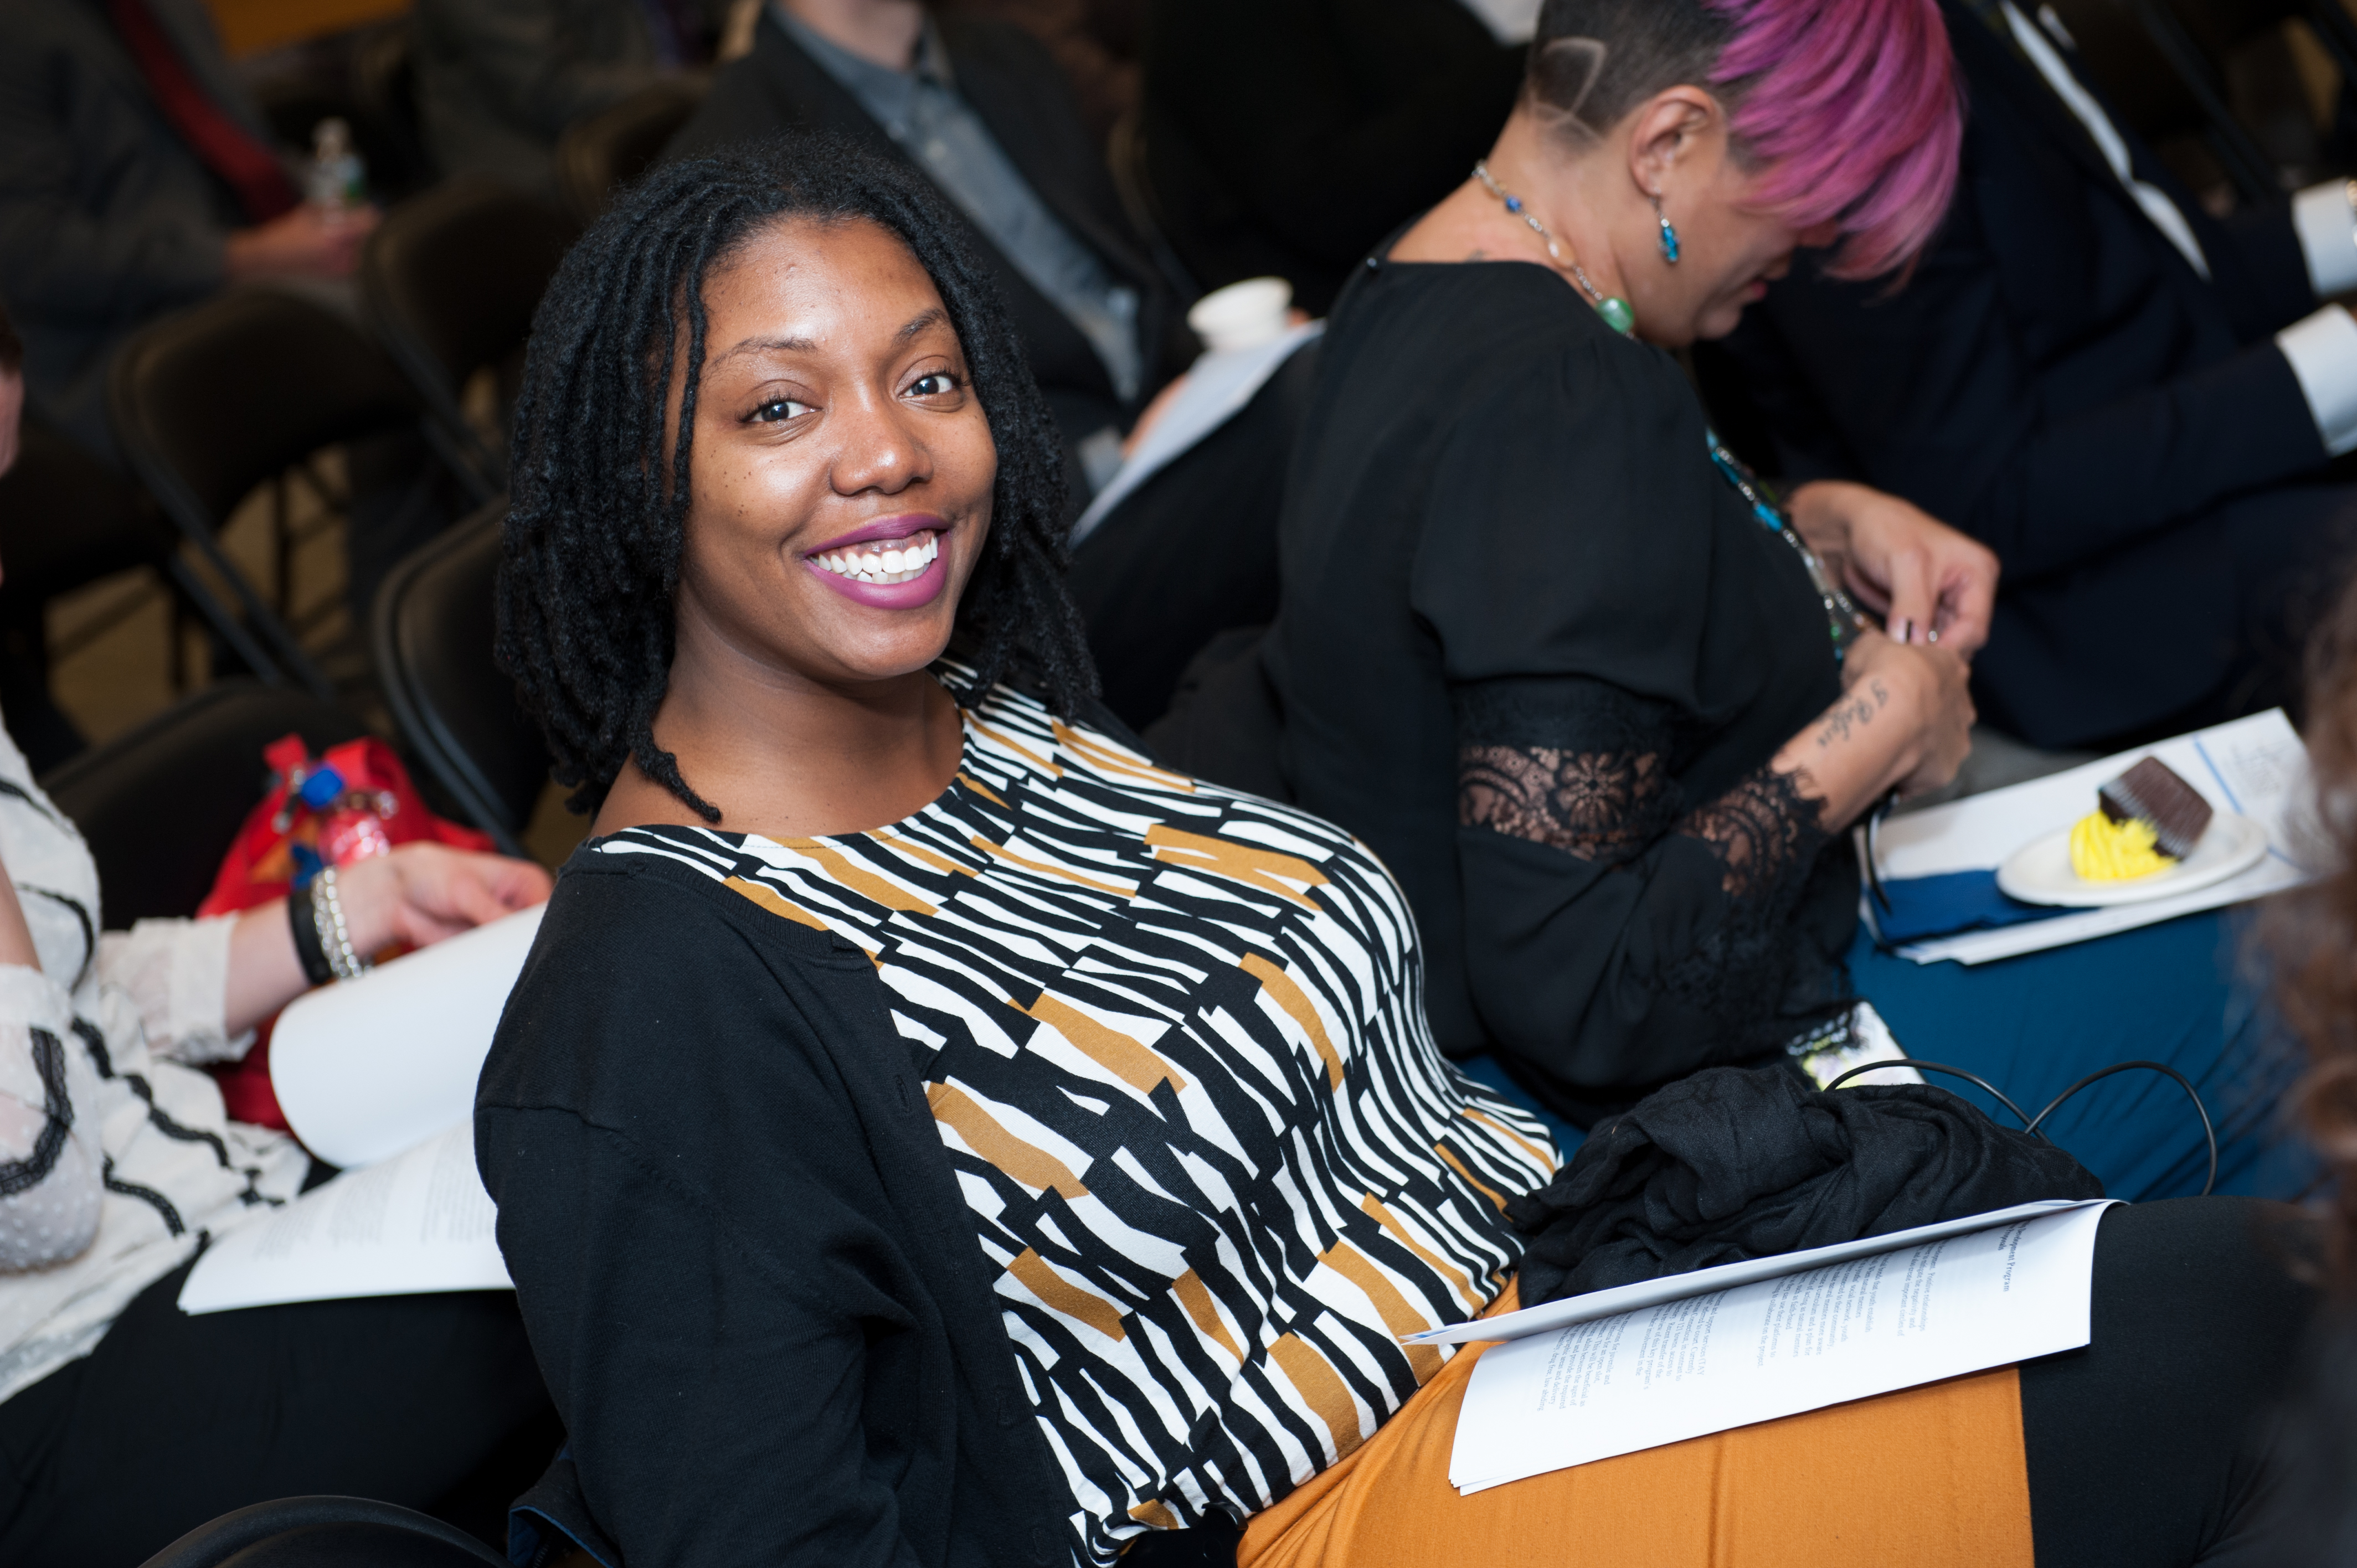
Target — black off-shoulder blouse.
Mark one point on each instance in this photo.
(1535, 650)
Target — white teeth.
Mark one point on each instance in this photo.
(905, 560)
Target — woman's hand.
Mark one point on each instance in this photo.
(1929, 582)
(422, 893)
(417, 894)
(1903, 720)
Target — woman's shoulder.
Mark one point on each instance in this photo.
(647, 946)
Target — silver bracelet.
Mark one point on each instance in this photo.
(328, 919)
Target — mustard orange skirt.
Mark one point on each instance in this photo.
(1923, 1477)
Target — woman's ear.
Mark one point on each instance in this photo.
(1667, 129)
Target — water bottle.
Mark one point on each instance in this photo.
(339, 181)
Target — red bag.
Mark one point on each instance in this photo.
(355, 802)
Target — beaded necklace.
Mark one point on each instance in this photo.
(1843, 618)
(1615, 310)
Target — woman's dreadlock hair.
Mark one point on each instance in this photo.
(591, 557)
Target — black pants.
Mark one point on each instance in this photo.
(175, 1420)
(2158, 1443)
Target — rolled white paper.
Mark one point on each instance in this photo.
(366, 1069)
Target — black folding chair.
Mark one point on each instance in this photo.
(433, 627)
(159, 805)
(221, 398)
(599, 153)
(326, 1532)
(450, 280)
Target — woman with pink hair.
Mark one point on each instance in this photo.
(1609, 711)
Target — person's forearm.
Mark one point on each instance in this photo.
(264, 971)
(1856, 753)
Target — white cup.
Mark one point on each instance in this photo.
(1242, 315)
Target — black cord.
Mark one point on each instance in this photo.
(2030, 1124)
(2026, 1125)
(2200, 1109)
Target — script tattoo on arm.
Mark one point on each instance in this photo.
(1854, 711)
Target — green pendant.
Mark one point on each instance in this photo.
(1618, 315)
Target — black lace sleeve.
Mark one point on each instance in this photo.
(1668, 937)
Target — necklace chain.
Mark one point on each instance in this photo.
(1843, 616)
(1612, 307)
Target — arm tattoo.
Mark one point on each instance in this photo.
(1855, 710)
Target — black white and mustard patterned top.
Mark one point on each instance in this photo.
(1173, 1044)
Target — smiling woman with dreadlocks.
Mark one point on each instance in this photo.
(926, 1131)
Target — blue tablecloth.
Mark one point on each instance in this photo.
(2176, 992)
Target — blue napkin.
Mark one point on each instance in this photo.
(1942, 906)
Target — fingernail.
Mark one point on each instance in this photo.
(1906, 630)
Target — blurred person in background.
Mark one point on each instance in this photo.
(125, 1422)
(2133, 403)
(499, 80)
(981, 109)
(1288, 137)
(1096, 42)
(136, 177)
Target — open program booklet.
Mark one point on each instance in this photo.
(377, 1075)
(1619, 1371)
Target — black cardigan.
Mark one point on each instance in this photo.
(679, 1079)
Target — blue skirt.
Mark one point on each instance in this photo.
(2182, 993)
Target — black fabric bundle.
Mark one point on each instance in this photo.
(1733, 1164)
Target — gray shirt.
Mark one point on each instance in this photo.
(920, 110)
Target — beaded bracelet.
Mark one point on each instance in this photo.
(307, 950)
(328, 919)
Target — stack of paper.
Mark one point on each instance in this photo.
(1621, 1370)
(2257, 768)
(377, 1075)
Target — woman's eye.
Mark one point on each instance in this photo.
(934, 383)
(778, 409)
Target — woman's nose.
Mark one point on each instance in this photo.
(876, 450)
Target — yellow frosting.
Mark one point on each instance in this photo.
(2105, 851)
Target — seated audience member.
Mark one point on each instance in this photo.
(135, 177)
(1536, 645)
(1096, 42)
(1288, 137)
(984, 113)
(125, 1422)
(926, 1130)
(499, 80)
(2130, 401)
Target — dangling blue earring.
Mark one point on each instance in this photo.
(1669, 235)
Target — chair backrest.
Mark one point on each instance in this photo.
(600, 153)
(384, 81)
(451, 278)
(326, 1532)
(211, 401)
(432, 628)
(159, 806)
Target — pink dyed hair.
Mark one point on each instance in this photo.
(1852, 111)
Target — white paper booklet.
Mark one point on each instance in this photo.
(377, 1075)
(370, 1066)
(1734, 1346)
(412, 1225)
(2256, 767)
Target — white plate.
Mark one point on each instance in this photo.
(2039, 871)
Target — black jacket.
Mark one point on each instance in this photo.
(2057, 380)
(654, 1145)
(1289, 136)
(1019, 92)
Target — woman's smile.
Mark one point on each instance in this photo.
(894, 563)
